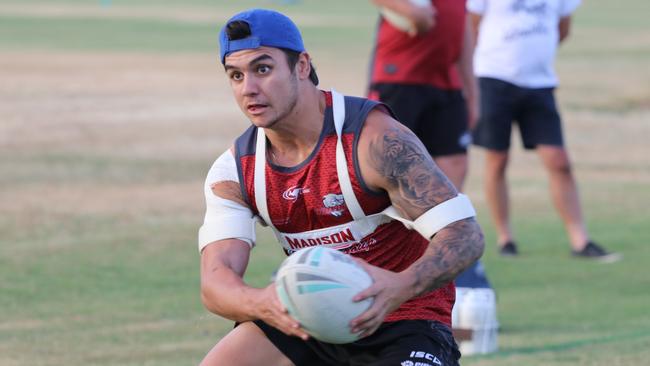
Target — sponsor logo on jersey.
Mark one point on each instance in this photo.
(362, 246)
(337, 238)
(294, 192)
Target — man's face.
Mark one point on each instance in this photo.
(264, 86)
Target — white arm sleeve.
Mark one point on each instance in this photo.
(443, 214)
(225, 219)
(437, 217)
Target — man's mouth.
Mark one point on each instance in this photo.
(256, 108)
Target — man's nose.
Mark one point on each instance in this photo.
(250, 85)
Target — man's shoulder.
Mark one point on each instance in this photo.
(355, 103)
(378, 121)
(359, 111)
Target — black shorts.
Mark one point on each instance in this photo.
(406, 342)
(438, 117)
(533, 109)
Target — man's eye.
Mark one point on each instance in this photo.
(237, 76)
(263, 69)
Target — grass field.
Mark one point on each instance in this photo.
(111, 112)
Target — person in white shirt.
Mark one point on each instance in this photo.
(514, 60)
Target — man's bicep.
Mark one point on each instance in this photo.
(229, 253)
(405, 169)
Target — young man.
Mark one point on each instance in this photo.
(425, 76)
(514, 60)
(314, 163)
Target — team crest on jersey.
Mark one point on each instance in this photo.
(334, 205)
(294, 192)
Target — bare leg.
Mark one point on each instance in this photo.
(496, 193)
(454, 167)
(564, 193)
(246, 345)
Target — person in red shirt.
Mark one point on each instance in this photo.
(425, 76)
(324, 169)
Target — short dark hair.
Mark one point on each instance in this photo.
(239, 29)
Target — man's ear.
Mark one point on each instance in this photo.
(303, 66)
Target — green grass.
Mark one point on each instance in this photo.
(142, 35)
(80, 34)
(95, 269)
(111, 28)
(65, 168)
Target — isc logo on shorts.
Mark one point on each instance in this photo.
(421, 354)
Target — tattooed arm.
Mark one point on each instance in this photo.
(393, 159)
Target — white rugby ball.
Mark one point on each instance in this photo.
(316, 286)
(398, 20)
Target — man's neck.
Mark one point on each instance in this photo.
(295, 137)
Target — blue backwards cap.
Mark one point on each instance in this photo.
(268, 28)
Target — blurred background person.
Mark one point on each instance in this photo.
(516, 47)
(422, 68)
(425, 75)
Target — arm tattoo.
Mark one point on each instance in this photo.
(403, 160)
(451, 250)
(417, 186)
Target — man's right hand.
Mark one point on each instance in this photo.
(272, 312)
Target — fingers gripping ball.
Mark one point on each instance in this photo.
(316, 285)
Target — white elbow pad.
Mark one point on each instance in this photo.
(225, 219)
